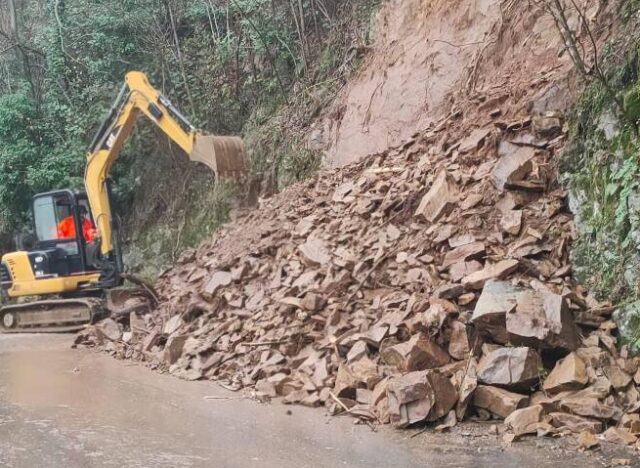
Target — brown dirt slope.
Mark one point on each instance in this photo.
(431, 56)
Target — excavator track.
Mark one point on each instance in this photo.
(51, 316)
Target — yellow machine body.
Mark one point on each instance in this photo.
(24, 282)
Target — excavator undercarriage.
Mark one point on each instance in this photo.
(51, 316)
(69, 315)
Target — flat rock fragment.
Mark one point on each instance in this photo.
(525, 420)
(497, 400)
(494, 271)
(419, 353)
(569, 373)
(419, 396)
(440, 199)
(514, 164)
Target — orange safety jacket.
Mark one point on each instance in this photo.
(67, 229)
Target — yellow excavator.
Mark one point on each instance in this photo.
(75, 259)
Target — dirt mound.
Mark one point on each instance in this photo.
(429, 282)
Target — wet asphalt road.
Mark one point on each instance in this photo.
(75, 408)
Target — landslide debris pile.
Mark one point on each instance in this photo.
(428, 283)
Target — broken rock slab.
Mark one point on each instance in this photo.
(361, 374)
(108, 329)
(498, 401)
(542, 318)
(620, 436)
(498, 298)
(217, 281)
(346, 383)
(440, 200)
(463, 253)
(510, 367)
(449, 291)
(172, 325)
(357, 351)
(474, 141)
(173, 348)
(512, 222)
(508, 313)
(315, 252)
(619, 379)
(495, 271)
(569, 373)
(574, 423)
(458, 341)
(514, 164)
(548, 126)
(590, 407)
(419, 396)
(419, 353)
(461, 269)
(525, 420)
(587, 440)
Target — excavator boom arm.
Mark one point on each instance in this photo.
(225, 155)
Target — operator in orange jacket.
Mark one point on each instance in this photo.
(67, 227)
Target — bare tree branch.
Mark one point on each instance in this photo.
(587, 63)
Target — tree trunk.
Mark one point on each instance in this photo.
(180, 59)
(21, 55)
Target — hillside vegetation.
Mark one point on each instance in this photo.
(261, 68)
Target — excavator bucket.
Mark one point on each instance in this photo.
(225, 155)
(124, 300)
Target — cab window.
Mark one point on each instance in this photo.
(53, 218)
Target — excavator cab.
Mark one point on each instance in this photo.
(57, 262)
(64, 231)
(62, 257)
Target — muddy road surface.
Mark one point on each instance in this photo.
(75, 408)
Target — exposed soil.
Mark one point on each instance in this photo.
(433, 56)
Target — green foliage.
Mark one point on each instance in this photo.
(632, 103)
(630, 8)
(602, 169)
(28, 164)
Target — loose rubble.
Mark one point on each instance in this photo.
(430, 283)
